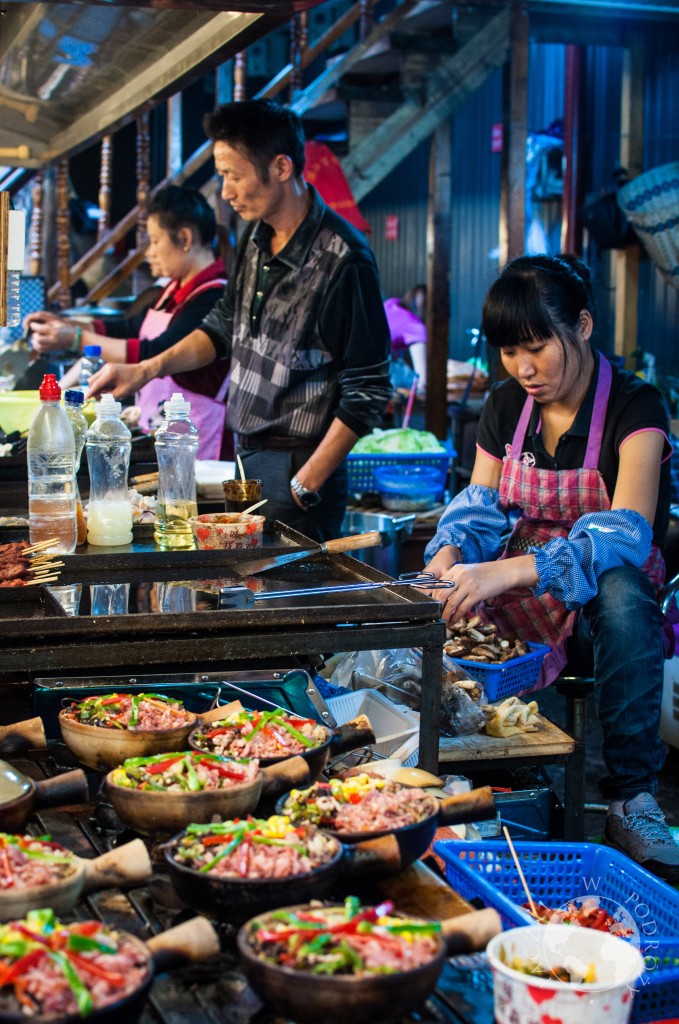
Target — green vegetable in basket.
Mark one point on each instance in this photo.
(408, 441)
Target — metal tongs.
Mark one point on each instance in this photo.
(241, 597)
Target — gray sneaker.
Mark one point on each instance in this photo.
(638, 828)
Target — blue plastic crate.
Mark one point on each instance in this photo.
(509, 677)
(361, 467)
(558, 872)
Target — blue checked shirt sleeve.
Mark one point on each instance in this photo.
(569, 567)
(474, 523)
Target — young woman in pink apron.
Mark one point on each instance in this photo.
(182, 231)
(558, 536)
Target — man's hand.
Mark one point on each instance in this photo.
(49, 333)
(120, 378)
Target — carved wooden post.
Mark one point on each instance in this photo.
(298, 44)
(143, 176)
(104, 197)
(367, 19)
(239, 74)
(35, 239)
(63, 243)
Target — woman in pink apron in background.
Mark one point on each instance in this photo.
(558, 536)
(182, 233)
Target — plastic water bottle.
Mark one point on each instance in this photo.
(176, 446)
(51, 472)
(73, 407)
(91, 363)
(109, 444)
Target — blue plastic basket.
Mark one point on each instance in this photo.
(361, 467)
(558, 872)
(510, 676)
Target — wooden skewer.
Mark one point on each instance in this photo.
(41, 545)
(42, 579)
(44, 559)
(534, 909)
(46, 567)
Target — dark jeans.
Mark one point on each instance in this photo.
(275, 469)
(618, 640)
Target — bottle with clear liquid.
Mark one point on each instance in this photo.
(108, 444)
(90, 364)
(176, 447)
(73, 407)
(51, 473)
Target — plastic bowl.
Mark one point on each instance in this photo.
(222, 531)
(17, 409)
(524, 997)
(408, 488)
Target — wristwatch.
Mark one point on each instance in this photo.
(307, 498)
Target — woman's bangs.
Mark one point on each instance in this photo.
(514, 313)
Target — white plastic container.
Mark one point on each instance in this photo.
(525, 997)
(393, 724)
(669, 715)
(51, 473)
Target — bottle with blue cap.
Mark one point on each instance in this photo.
(176, 447)
(90, 364)
(109, 445)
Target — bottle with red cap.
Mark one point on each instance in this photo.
(51, 473)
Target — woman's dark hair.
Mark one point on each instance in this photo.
(178, 206)
(261, 128)
(538, 297)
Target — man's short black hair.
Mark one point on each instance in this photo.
(261, 128)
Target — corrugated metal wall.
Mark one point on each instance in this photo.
(475, 188)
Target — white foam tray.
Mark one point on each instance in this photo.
(393, 723)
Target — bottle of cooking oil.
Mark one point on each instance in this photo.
(176, 446)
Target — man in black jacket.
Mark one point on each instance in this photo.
(301, 321)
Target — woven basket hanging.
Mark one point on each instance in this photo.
(651, 204)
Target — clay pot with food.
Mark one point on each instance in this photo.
(164, 811)
(189, 942)
(65, 877)
(429, 812)
(105, 747)
(21, 795)
(331, 742)
(354, 998)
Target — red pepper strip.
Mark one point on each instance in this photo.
(16, 926)
(87, 928)
(113, 699)
(355, 798)
(296, 722)
(216, 732)
(19, 966)
(112, 977)
(160, 766)
(215, 840)
(226, 773)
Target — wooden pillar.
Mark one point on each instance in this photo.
(571, 220)
(104, 197)
(438, 280)
(174, 135)
(143, 176)
(515, 100)
(63, 244)
(298, 44)
(631, 157)
(239, 76)
(4, 245)
(35, 233)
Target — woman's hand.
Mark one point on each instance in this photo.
(444, 559)
(49, 333)
(480, 581)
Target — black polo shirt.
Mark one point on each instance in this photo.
(633, 405)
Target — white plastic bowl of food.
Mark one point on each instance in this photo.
(222, 531)
(517, 957)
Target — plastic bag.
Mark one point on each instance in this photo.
(398, 675)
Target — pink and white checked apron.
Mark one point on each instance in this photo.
(208, 414)
(550, 502)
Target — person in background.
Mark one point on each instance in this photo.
(301, 321)
(182, 234)
(406, 320)
(578, 449)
